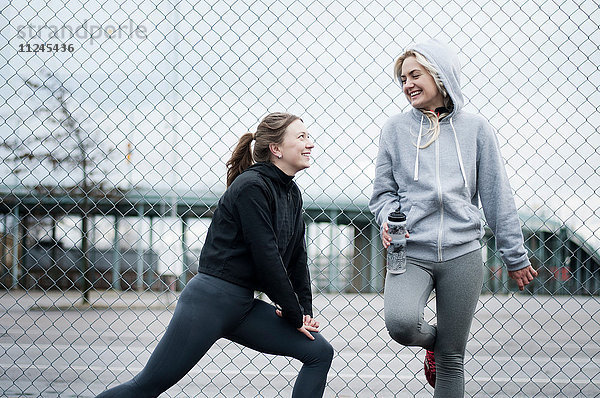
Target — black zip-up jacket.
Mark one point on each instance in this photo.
(256, 240)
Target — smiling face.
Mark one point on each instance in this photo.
(293, 154)
(419, 87)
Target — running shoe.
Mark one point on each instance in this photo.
(430, 368)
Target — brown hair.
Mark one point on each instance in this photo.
(271, 130)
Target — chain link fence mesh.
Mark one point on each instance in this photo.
(117, 120)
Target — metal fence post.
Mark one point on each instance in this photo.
(378, 270)
(116, 258)
(15, 247)
(140, 249)
(184, 249)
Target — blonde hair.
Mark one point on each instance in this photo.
(433, 131)
(271, 130)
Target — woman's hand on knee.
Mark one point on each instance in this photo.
(310, 325)
(311, 322)
(306, 331)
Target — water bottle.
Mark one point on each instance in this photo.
(396, 252)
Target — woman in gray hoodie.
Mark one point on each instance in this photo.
(435, 163)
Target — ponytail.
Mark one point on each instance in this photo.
(271, 130)
(241, 158)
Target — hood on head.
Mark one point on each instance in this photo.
(446, 62)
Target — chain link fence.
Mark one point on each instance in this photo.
(117, 120)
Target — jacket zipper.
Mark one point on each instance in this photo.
(440, 198)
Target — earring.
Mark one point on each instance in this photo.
(279, 156)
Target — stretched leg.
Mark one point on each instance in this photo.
(264, 331)
(405, 298)
(206, 310)
(458, 286)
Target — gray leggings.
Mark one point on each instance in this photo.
(210, 308)
(457, 284)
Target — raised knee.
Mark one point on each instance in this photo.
(317, 352)
(327, 353)
(405, 333)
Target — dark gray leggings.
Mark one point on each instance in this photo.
(210, 308)
(457, 286)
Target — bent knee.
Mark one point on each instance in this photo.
(321, 351)
(404, 332)
(407, 337)
(326, 352)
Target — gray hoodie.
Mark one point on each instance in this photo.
(439, 187)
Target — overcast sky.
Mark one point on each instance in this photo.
(180, 81)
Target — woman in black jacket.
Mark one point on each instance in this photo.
(255, 242)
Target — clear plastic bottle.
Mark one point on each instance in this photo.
(396, 252)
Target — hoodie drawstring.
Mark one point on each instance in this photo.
(460, 159)
(416, 173)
